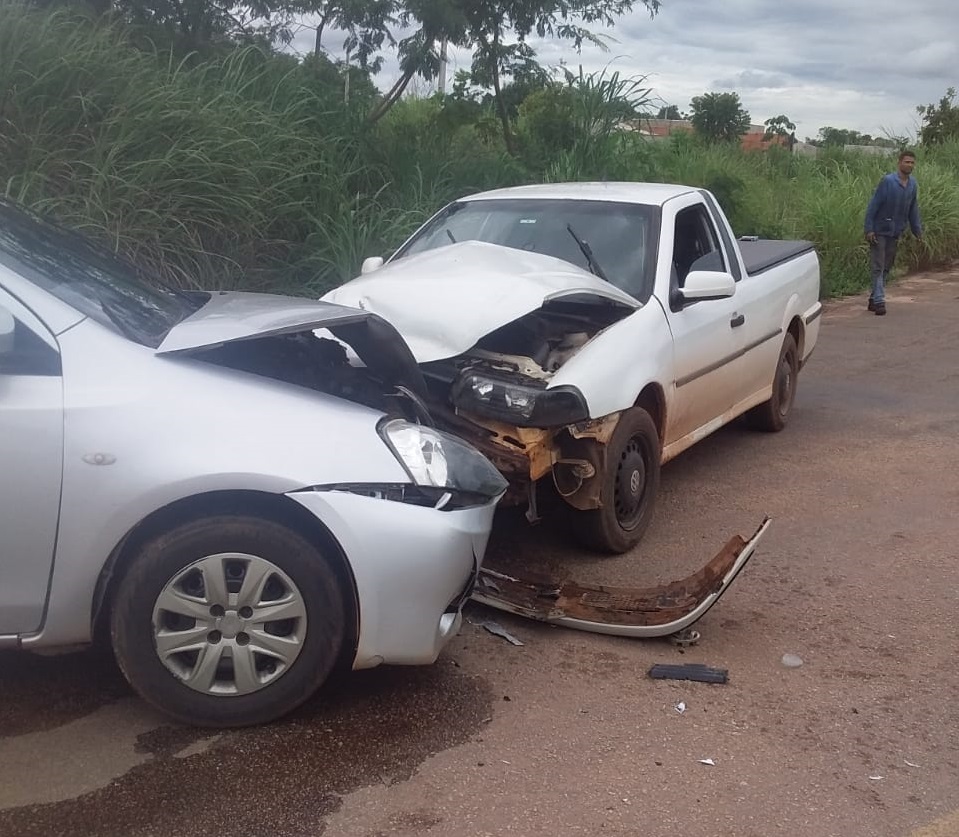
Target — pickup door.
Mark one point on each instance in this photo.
(708, 338)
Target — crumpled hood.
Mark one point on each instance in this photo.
(229, 317)
(445, 300)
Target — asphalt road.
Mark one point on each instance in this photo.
(858, 575)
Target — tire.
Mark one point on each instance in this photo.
(186, 595)
(772, 416)
(630, 483)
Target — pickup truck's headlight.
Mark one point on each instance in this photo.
(434, 459)
(525, 406)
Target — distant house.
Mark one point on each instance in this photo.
(874, 150)
(752, 140)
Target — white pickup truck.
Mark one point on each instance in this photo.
(590, 332)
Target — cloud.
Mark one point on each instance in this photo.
(753, 80)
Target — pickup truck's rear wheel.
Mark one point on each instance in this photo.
(628, 489)
(772, 415)
(228, 621)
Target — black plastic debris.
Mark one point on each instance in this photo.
(689, 671)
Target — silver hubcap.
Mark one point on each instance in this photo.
(229, 624)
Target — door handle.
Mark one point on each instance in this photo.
(737, 321)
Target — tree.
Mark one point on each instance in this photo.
(781, 126)
(195, 24)
(719, 117)
(940, 123)
(497, 31)
(830, 137)
(669, 112)
(366, 23)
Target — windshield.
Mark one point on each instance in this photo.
(91, 280)
(618, 237)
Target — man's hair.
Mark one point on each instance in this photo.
(906, 153)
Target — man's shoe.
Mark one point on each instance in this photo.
(871, 306)
(880, 309)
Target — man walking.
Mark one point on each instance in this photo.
(893, 205)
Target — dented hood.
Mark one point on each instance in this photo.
(443, 301)
(230, 317)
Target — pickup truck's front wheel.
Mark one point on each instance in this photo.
(628, 487)
(772, 415)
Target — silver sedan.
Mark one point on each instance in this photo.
(241, 491)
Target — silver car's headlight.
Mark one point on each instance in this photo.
(437, 460)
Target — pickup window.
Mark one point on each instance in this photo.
(695, 244)
(727, 240)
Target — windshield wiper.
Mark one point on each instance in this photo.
(587, 251)
(450, 236)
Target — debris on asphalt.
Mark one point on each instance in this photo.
(689, 671)
(792, 660)
(877, 778)
(680, 707)
(498, 630)
(710, 762)
(910, 764)
(685, 638)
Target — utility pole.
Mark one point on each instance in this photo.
(443, 59)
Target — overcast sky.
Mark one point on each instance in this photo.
(860, 64)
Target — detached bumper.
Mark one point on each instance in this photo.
(639, 612)
(414, 568)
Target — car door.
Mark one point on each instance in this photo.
(31, 464)
(707, 334)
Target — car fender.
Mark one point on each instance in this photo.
(618, 363)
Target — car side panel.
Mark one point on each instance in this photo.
(142, 432)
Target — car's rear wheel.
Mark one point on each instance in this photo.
(773, 415)
(228, 621)
(628, 487)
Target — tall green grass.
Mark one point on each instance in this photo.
(247, 169)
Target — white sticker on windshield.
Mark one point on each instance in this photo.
(527, 220)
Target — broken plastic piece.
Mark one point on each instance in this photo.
(710, 762)
(498, 630)
(685, 638)
(690, 671)
(640, 612)
(680, 707)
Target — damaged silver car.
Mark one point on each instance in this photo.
(212, 484)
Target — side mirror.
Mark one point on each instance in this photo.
(371, 264)
(7, 327)
(708, 284)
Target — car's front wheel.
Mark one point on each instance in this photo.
(228, 621)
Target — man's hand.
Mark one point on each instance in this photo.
(871, 237)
